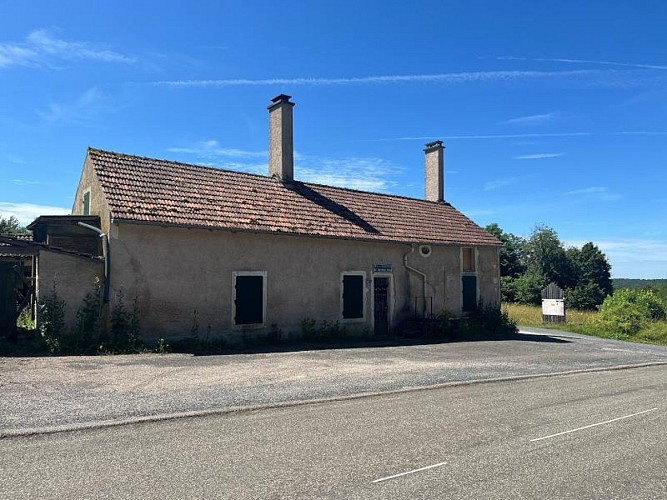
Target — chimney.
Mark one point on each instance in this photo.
(281, 142)
(435, 175)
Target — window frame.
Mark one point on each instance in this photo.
(86, 194)
(364, 299)
(246, 326)
(473, 260)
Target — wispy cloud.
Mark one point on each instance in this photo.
(481, 136)
(42, 49)
(27, 212)
(211, 149)
(531, 119)
(639, 132)
(24, 182)
(362, 173)
(474, 76)
(633, 258)
(584, 61)
(77, 111)
(538, 156)
(597, 192)
(500, 183)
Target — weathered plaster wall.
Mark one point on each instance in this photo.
(176, 271)
(73, 276)
(98, 204)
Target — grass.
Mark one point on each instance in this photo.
(583, 322)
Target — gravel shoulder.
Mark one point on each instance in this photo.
(44, 394)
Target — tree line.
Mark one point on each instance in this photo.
(527, 265)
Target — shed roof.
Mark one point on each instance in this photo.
(147, 190)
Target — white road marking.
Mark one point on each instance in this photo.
(592, 425)
(409, 472)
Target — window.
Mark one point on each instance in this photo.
(468, 260)
(249, 298)
(86, 203)
(353, 295)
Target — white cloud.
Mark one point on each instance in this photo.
(474, 76)
(76, 111)
(484, 136)
(27, 212)
(639, 132)
(584, 61)
(42, 49)
(24, 182)
(597, 192)
(362, 173)
(633, 258)
(210, 149)
(497, 184)
(538, 156)
(531, 119)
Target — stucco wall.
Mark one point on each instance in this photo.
(73, 276)
(174, 272)
(98, 205)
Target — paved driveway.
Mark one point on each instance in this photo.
(38, 394)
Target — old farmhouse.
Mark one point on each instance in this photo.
(239, 254)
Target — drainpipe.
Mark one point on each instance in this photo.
(416, 271)
(105, 255)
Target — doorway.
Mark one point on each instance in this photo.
(469, 293)
(381, 305)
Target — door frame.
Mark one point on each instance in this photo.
(390, 299)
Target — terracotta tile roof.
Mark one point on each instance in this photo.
(147, 190)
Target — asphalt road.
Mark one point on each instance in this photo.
(597, 435)
(45, 394)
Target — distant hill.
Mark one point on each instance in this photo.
(660, 286)
(637, 283)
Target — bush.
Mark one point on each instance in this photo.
(585, 297)
(628, 311)
(51, 314)
(490, 320)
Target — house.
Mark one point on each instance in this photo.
(231, 253)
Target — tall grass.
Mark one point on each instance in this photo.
(582, 322)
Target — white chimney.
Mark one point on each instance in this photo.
(434, 162)
(281, 138)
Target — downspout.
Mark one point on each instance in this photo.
(105, 255)
(416, 271)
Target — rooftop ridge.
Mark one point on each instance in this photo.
(268, 178)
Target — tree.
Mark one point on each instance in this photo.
(527, 266)
(594, 268)
(545, 256)
(11, 226)
(511, 252)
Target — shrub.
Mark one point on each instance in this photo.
(628, 311)
(490, 320)
(51, 316)
(584, 297)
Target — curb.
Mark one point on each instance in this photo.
(103, 424)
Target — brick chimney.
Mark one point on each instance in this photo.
(434, 161)
(281, 138)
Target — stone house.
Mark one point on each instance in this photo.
(231, 253)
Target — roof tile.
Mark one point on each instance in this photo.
(155, 191)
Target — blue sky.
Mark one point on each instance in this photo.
(552, 112)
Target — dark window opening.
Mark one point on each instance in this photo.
(249, 300)
(86, 203)
(353, 296)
